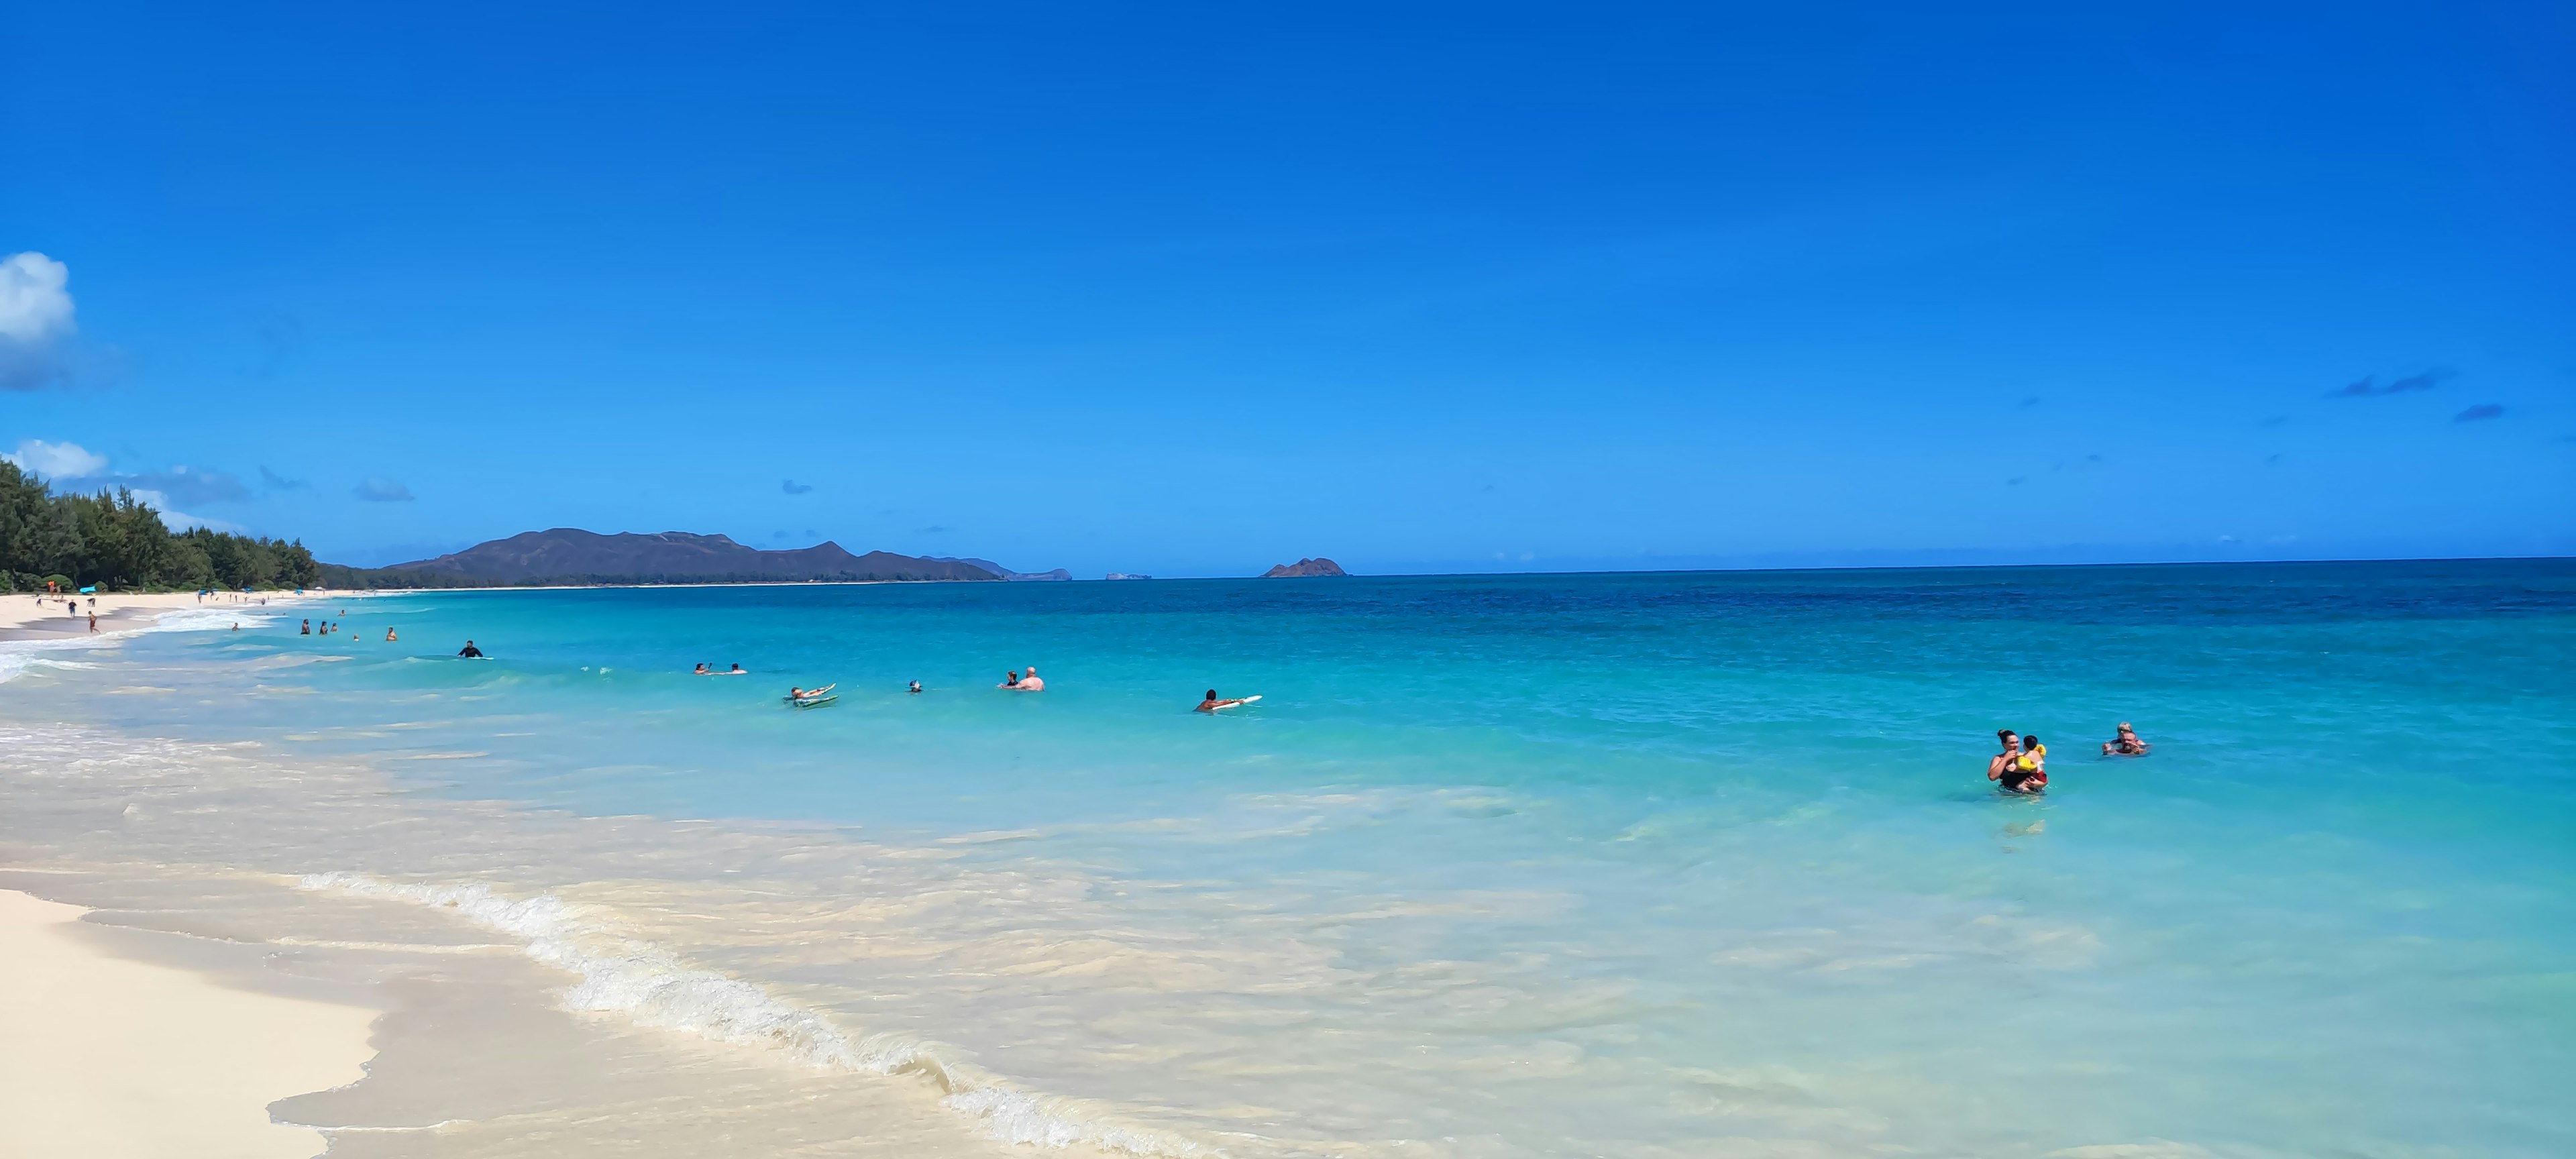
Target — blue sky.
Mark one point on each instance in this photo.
(1190, 290)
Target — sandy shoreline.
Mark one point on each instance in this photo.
(24, 616)
(106, 1056)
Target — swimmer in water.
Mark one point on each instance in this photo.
(2033, 765)
(2014, 769)
(470, 650)
(1030, 682)
(2126, 744)
(1211, 704)
(736, 671)
(916, 687)
(700, 670)
(1010, 679)
(390, 637)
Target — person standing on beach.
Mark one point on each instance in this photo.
(93, 621)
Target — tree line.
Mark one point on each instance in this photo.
(119, 543)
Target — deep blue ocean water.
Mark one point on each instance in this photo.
(1605, 864)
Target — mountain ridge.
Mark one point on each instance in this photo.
(571, 556)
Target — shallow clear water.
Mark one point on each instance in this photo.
(1548, 865)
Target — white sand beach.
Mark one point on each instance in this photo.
(103, 1057)
(27, 616)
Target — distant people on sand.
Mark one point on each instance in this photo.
(1211, 704)
(2126, 744)
(470, 650)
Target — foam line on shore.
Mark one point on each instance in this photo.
(651, 987)
(16, 656)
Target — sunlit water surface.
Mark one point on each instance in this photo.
(1521, 866)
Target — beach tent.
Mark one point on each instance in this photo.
(91, 590)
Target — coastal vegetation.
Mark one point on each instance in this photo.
(119, 543)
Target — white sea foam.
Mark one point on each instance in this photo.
(17, 656)
(648, 985)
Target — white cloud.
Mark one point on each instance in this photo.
(56, 460)
(35, 314)
(179, 520)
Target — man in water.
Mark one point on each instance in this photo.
(1030, 682)
(700, 670)
(737, 671)
(1211, 704)
(306, 630)
(470, 650)
(915, 689)
(2126, 744)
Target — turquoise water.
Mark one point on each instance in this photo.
(1556, 865)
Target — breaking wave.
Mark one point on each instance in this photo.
(649, 986)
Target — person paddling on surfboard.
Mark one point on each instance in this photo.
(1211, 704)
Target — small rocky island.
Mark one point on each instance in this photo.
(1303, 568)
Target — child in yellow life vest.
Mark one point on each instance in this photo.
(2033, 762)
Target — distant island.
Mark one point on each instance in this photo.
(1119, 575)
(1318, 566)
(1004, 572)
(570, 556)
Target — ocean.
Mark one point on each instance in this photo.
(1499, 866)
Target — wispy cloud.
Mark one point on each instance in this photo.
(2479, 413)
(382, 490)
(75, 467)
(276, 482)
(2370, 387)
(35, 317)
(190, 487)
(793, 487)
(175, 519)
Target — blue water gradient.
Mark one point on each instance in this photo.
(1732, 829)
